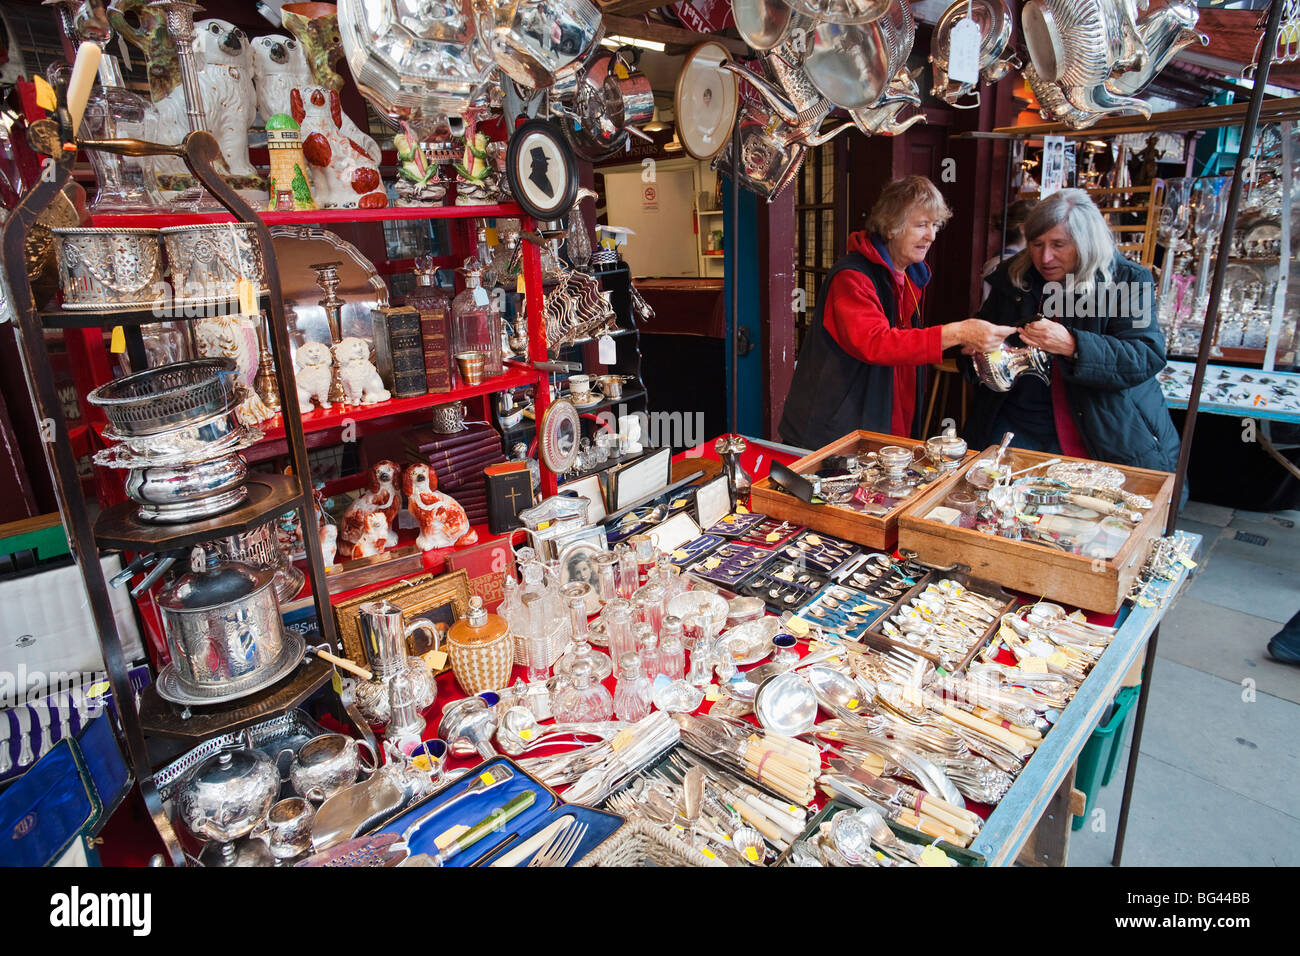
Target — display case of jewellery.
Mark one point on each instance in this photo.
(861, 483)
(1064, 529)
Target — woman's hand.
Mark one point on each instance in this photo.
(1052, 337)
(975, 335)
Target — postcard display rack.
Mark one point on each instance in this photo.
(117, 528)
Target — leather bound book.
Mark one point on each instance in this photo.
(435, 334)
(510, 491)
(399, 353)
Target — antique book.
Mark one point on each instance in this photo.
(399, 352)
(510, 491)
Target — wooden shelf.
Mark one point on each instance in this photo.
(320, 420)
(269, 496)
(312, 217)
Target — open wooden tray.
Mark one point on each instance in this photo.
(1037, 569)
(874, 531)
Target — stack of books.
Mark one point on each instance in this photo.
(458, 460)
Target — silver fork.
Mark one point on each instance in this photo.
(561, 848)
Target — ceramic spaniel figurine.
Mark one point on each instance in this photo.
(314, 363)
(344, 172)
(367, 534)
(443, 521)
(361, 383)
(279, 67)
(381, 495)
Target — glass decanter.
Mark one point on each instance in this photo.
(581, 650)
(583, 698)
(126, 183)
(634, 693)
(672, 652)
(476, 327)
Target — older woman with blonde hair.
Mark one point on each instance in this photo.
(858, 365)
(1071, 294)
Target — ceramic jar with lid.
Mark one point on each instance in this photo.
(481, 650)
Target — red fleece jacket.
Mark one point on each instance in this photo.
(857, 322)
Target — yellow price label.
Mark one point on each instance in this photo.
(117, 342)
(751, 854)
(490, 234)
(1033, 665)
(812, 539)
(1059, 659)
(679, 503)
(436, 660)
(1187, 562)
(620, 70)
(543, 525)
(99, 689)
(526, 734)
(709, 853)
(45, 97)
(336, 682)
(773, 536)
(741, 510)
(486, 778)
(681, 554)
(519, 284)
(247, 297)
(730, 519)
(798, 626)
(933, 856)
(853, 703)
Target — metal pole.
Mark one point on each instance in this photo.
(1194, 400)
(733, 412)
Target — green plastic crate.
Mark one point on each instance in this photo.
(1100, 754)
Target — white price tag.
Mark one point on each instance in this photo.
(964, 52)
(481, 296)
(608, 352)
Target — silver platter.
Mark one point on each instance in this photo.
(175, 689)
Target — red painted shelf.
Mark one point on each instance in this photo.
(324, 216)
(320, 420)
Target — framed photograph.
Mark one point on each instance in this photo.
(591, 491)
(712, 502)
(576, 567)
(440, 601)
(541, 170)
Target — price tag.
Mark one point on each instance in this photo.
(751, 854)
(812, 539)
(1033, 665)
(730, 519)
(1186, 562)
(681, 554)
(853, 703)
(707, 852)
(45, 97)
(798, 626)
(620, 70)
(741, 510)
(486, 778)
(519, 284)
(711, 693)
(336, 681)
(490, 234)
(480, 296)
(621, 740)
(436, 660)
(526, 734)
(773, 536)
(99, 689)
(1145, 601)
(932, 855)
(679, 503)
(247, 297)
(1058, 660)
(964, 52)
(117, 343)
(607, 349)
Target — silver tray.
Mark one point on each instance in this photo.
(173, 688)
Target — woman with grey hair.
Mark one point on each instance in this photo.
(1071, 294)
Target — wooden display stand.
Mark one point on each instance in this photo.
(1038, 569)
(874, 531)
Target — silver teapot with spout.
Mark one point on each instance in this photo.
(995, 21)
(1163, 33)
(1000, 368)
(883, 119)
(384, 633)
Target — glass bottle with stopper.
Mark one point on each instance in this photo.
(475, 329)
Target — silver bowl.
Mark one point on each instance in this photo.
(786, 705)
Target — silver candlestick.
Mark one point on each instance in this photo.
(327, 277)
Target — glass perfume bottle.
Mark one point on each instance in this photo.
(647, 648)
(475, 329)
(672, 653)
(584, 698)
(632, 696)
(126, 183)
(581, 650)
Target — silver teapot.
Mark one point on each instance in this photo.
(995, 21)
(1163, 33)
(1000, 368)
(326, 764)
(883, 118)
(227, 796)
(854, 66)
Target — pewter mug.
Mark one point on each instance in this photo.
(328, 763)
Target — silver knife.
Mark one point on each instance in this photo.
(25, 755)
(64, 707)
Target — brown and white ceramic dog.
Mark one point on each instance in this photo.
(382, 496)
(344, 173)
(442, 520)
(370, 531)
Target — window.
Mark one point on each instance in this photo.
(819, 236)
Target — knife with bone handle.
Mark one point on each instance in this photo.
(25, 755)
(955, 818)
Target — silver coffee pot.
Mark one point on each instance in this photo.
(384, 633)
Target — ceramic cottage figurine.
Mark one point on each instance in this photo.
(381, 496)
(442, 520)
(287, 183)
(344, 172)
(361, 382)
(315, 372)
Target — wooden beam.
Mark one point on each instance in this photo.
(1202, 118)
(661, 32)
(630, 8)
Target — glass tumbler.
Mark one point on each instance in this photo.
(672, 654)
(618, 619)
(629, 574)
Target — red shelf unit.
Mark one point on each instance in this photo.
(387, 214)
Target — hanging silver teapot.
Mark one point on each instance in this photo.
(853, 65)
(532, 40)
(883, 118)
(995, 21)
(1162, 33)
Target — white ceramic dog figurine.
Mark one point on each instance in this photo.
(314, 363)
(329, 543)
(443, 521)
(279, 66)
(381, 495)
(344, 172)
(361, 383)
(225, 75)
